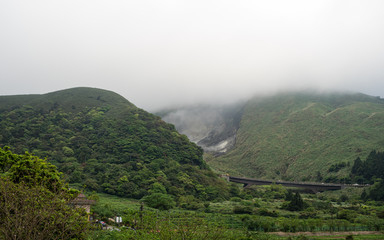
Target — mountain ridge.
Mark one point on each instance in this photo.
(300, 135)
(69, 99)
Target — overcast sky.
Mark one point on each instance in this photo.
(161, 52)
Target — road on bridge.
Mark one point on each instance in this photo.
(315, 187)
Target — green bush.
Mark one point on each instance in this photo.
(160, 201)
(34, 201)
(235, 199)
(266, 212)
(343, 198)
(296, 204)
(346, 214)
(242, 209)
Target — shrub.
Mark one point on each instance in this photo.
(346, 214)
(235, 199)
(253, 224)
(265, 212)
(256, 204)
(380, 214)
(160, 201)
(190, 202)
(296, 204)
(242, 210)
(343, 198)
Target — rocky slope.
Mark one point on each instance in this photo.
(211, 127)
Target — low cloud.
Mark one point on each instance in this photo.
(161, 53)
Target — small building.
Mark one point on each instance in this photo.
(81, 201)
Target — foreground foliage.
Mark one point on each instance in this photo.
(36, 213)
(152, 225)
(256, 212)
(34, 202)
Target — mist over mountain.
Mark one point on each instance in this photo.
(291, 136)
(211, 127)
(185, 52)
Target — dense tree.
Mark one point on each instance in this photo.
(33, 212)
(296, 204)
(357, 168)
(98, 143)
(377, 191)
(370, 171)
(35, 202)
(30, 170)
(289, 196)
(159, 200)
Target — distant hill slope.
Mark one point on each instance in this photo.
(291, 136)
(211, 127)
(72, 100)
(103, 142)
(304, 136)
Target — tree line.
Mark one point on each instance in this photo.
(128, 154)
(370, 171)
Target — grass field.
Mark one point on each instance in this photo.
(258, 214)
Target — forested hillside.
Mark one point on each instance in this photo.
(304, 136)
(103, 142)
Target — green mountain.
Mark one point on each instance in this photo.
(291, 136)
(102, 142)
(304, 136)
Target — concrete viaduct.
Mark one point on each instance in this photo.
(315, 187)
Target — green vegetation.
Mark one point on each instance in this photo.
(34, 202)
(151, 225)
(257, 213)
(251, 214)
(337, 167)
(296, 202)
(370, 171)
(160, 201)
(101, 142)
(304, 137)
(140, 168)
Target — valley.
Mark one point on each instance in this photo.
(167, 185)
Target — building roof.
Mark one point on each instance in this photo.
(81, 199)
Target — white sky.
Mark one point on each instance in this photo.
(158, 53)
